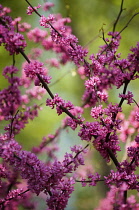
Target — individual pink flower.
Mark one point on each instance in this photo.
(33, 68)
(9, 70)
(4, 11)
(77, 54)
(16, 21)
(45, 22)
(92, 83)
(53, 62)
(24, 27)
(91, 179)
(128, 97)
(96, 112)
(36, 35)
(102, 95)
(35, 92)
(46, 79)
(59, 103)
(81, 72)
(14, 42)
(47, 6)
(30, 9)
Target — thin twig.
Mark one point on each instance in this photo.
(48, 90)
(112, 156)
(78, 154)
(2, 202)
(120, 32)
(124, 92)
(136, 103)
(118, 17)
(12, 121)
(24, 55)
(33, 8)
(125, 197)
(88, 181)
(45, 86)
(128, 23)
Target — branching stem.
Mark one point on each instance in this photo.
(118, 17)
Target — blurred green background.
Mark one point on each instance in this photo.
(88, 17)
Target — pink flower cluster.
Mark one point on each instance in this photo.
(46, 21)
(59, 103)
(30, 10)
(12, 41)
(35, 68)
(50, 179)
(128, 97)
(47, 6)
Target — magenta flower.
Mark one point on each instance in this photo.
(30, 9)
(33, 68)
(45, 22)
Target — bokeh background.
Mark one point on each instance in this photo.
(88, 18)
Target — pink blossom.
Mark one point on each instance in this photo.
(33, 68)
(24, 27)
(92, 82)
(47, 21)
(16, 20)
(103, 96)
(4, 10)
(81, 72)
(9, 70)
(14, 42)
(59, 103)
(35, 92)
(77, 54)
(96, 112)
(47, 6)
(30, 9)
(128, 97)
(92, 180)
(37, 35)
(53, 62)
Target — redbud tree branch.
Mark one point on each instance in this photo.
(2, 202)
(108, 45)
(119, 15)
(52, 96)
(48, 90)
